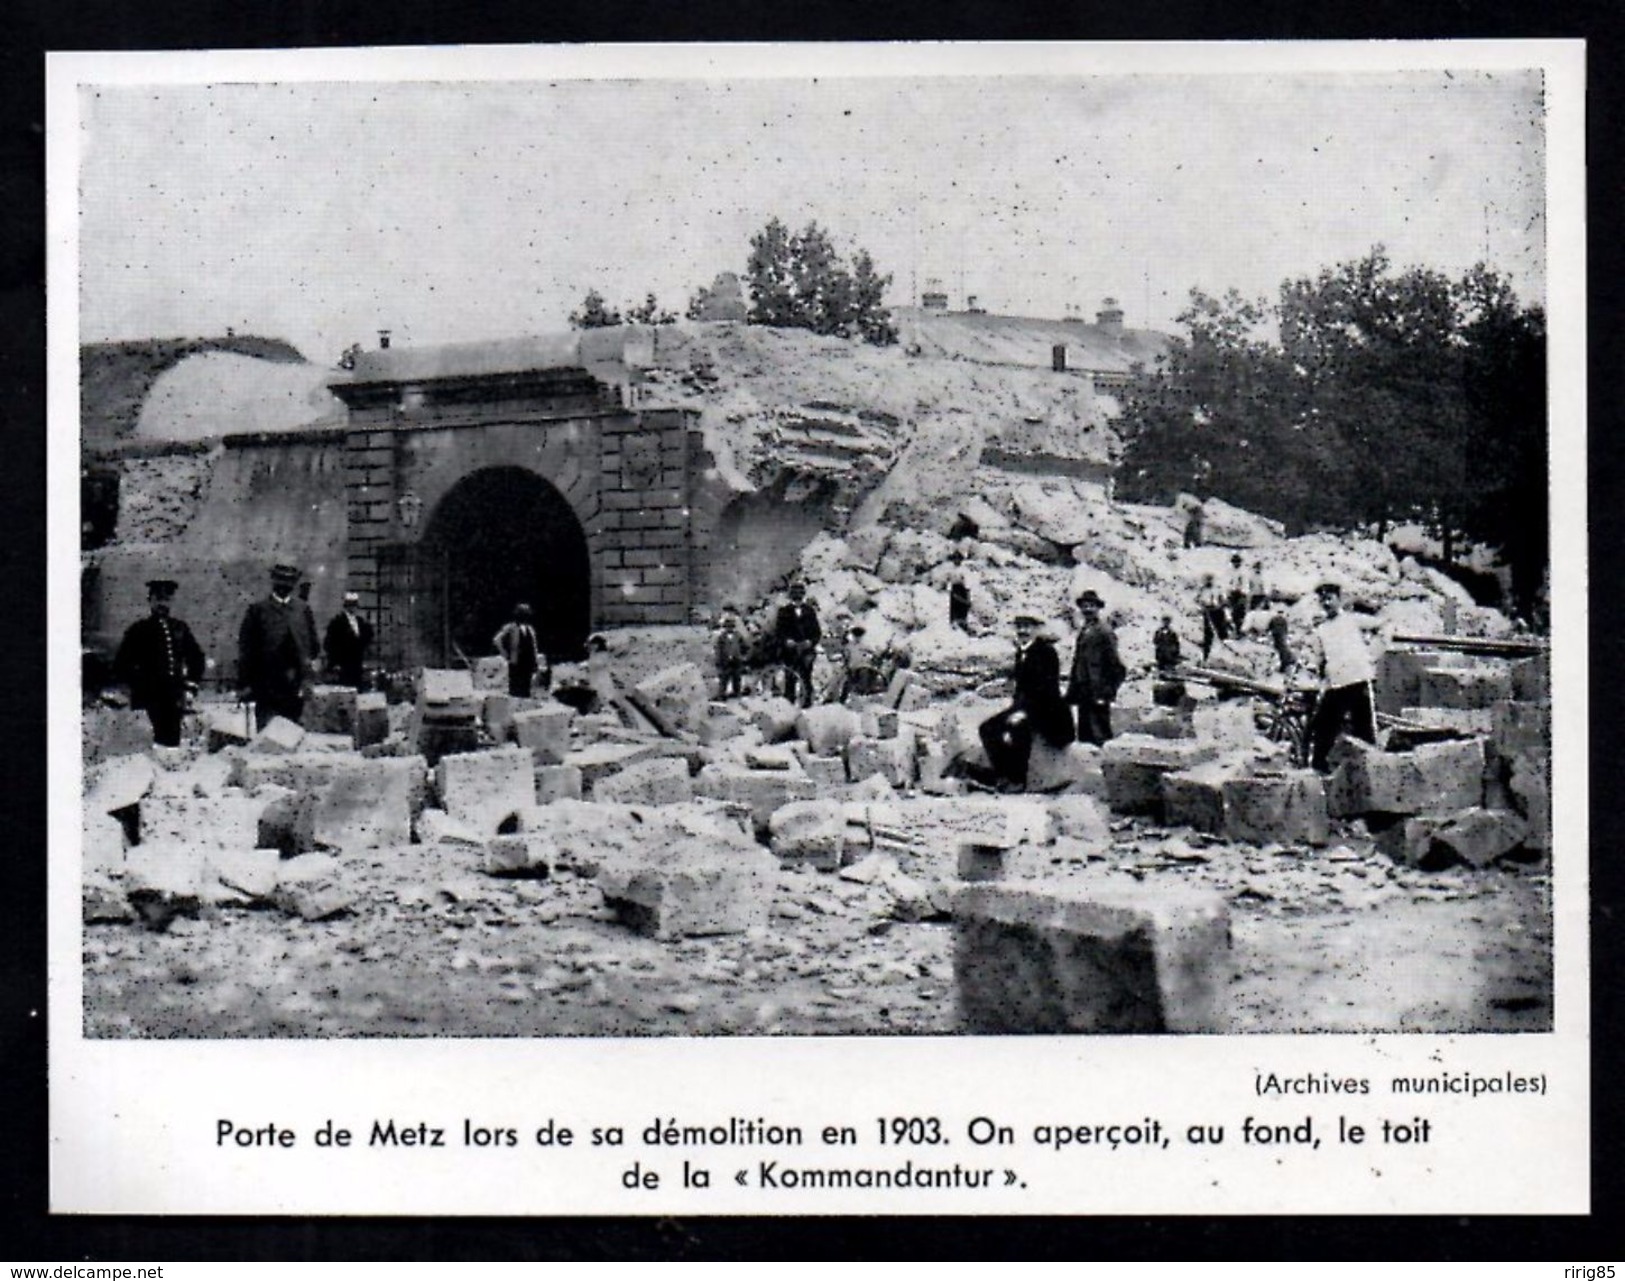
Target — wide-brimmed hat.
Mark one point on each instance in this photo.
(1330, 587)
(288, 574)
(1027, 616)
(1090, 597)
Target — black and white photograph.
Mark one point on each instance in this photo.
(889, 548)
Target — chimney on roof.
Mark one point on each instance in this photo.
(973, 306)
(383, 340)
(934, 297)
(1110, 317)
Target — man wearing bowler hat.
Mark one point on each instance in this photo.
(273, 651)
(1035, 707)
(797, 633)
(349, 636)
(1097, 672)
(161, 662)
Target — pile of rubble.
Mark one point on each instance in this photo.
(682, 818)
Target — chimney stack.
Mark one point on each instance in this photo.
(1110, 317)
(383, 340)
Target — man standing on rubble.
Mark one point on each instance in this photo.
(730, 655)
(1097, 672)
(1346, 673)
(1236, 598)
(161, 662)
(958, 594)
(1214, 622)
(796, 632)
(1036, 707)
(273, 656)
(349, 636)
(516, 642)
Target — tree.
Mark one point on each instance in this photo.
(1382, 396)
(650, 312)
(594, 313)
(800, 282)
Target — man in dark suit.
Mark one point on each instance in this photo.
(797, 633)
(1035, 708)
(274, 661)
(161, 662)
(1097, 672)
(349, 636)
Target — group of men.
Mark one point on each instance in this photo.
(278, 654)
(793, 646)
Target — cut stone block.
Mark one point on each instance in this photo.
(961, 724)
(436, 827)
(825, 771)
(309, 887)
(545, 732)
(330, 709)
(680, 694)
(1158, 753)
(1521, 729)
(722, 723)
(1532, 679)
(446, 685)
(364, 809)
(693, 891)
(115, 731)
(229, 819)
(1079, 818)
(828, 728)
(1073, 768)
(760, 791)
(120, 783)
(1531, 791)
(1151, 720)
(1058, 958)
(776, 718)
(327, 743)
(102, 898)
(879, 722)
(163, 880)
(371, 719)
(661, 781)
(521, 854)
(1431, 778)
(1477, 686)
(1408, 841)
(226, 725)
(778, 756)
(1458, 721)
(490, 672)
(1195, 798)
(484, 788)
(1399, 675)
(809, 833)
(891, 758)
(251, 873)
(497, 710)
(599, 760)
(1288, 808)
(873, 788)
(102, 842)
(1479, 836)
(1133, 788)
(980, 862)
(280, 737)
(557, 783)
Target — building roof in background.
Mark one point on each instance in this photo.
(605, 353)
(1027, 340)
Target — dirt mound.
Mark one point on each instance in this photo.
(211, 394)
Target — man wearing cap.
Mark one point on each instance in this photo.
(796, 632)
(159, 659)
(1237, 596)
(516, 642)
(1346, 673)
(1035, 708)
(349, 636)
(1097, 672)
(273, 651)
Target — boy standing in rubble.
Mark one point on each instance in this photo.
(1346, 673)
(730, 656)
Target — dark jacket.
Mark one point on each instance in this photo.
(1166, 642)
(731, 647)
(273, 648)
(1038, 691)
(347, 646)
(796, 625)
(156, 659)
(1097, 671)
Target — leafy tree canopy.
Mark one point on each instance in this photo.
(799, 281)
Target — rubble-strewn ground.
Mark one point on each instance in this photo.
(1338, 940)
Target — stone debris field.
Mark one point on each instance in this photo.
(466, 863)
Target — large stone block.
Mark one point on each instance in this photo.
(521, 854)
(1531, 791)
(446, 686)
(364, 809)
(371, 719)
(227, 725)
(1532, 679)
(1158, 753)
(1432, 778)
(759, 791)
(164, 880)
(1286, 808)
(1399, 676)
(1408, 840)
(1478, 836)
(660, 781)
(809, 833)
(114, 731)
(693, 891)
(1478, 686)
(827, 772)
(828, 728)
(1077, 817)
(490, 672)
(960, 726)
(776, 718)
(310, 887)
(121, 782)
(330, 709)
(1521, 730)
(545, 732)
(891, 758)
(1152, 720)
(557, 783)
(484, 788)
(1195, 798)
(280, 737)
(1227, 722)
(1072, 768)
(1058, 958)
(250, 874)
(681, 695)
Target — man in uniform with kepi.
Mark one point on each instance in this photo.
(273, 658)
(159, 659)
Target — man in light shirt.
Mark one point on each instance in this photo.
(1346, 673)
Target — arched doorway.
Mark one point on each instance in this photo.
(503, 535)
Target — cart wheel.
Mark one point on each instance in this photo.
(1287, 723)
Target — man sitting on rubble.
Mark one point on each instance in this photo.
(1036, 707)
(796, 634)
(1097, 672)
(1346, 673)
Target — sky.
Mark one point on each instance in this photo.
(446, 211)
